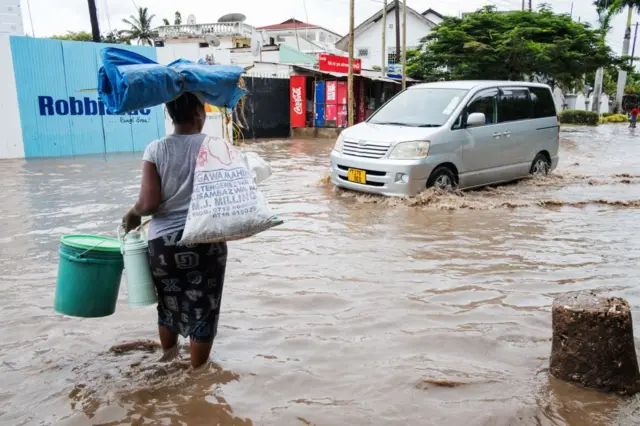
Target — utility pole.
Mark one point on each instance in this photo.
(93, 15)
(523, 5)
(633, 49)
(384, 39)
(622, 75)
(350, 76)
(530, 5)
(404, 44)
(396, 11)
(571, 13)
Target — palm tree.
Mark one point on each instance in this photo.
(614, 7)
(140, 27)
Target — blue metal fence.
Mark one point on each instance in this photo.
(60, 111)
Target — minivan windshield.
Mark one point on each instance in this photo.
(419, 107)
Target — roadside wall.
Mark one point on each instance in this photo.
(49, 104)
(52, 86)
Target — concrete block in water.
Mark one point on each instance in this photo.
(593, 343)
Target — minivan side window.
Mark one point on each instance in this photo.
(486, 103)
(514, 104)
(543, 103)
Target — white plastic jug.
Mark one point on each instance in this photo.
(134, 247)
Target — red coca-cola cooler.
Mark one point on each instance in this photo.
(298, 109)
(331, 104)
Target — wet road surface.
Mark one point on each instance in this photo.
(359, 310)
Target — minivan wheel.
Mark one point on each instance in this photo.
(442, 178)
(540, 166)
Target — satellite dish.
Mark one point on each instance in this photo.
(212, 40)
(233, 17)
(191, 20)
(265, 37)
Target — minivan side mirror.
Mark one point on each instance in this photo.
(476, 119)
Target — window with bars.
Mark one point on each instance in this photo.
(363, 52)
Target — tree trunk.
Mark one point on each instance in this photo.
(622, 75)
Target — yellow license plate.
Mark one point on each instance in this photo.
(357, 176)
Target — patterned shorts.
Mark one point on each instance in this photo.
(189, 281)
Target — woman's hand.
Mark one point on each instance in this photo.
(131, 221)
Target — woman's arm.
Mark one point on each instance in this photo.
(149, 199)
(150, 191)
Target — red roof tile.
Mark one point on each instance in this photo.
(289, 24)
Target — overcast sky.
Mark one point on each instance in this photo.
(58, 16)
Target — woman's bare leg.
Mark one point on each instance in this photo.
(168, 339)
(199, 353)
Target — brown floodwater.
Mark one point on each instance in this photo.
(359, 310)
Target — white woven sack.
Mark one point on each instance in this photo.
(226, 203)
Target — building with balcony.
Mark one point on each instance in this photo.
(231, 34)
(305, 37)
(242, 44)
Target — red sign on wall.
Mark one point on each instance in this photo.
(298, 101)
(333, 63)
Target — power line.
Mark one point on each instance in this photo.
(33, 31)
(106, 8)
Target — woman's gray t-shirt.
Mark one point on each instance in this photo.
(175, 158)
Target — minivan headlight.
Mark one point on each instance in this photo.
(339, 142)
(410, 150)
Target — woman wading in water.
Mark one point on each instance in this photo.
(188, 279)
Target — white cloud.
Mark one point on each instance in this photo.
(58, 16)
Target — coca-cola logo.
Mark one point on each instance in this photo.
(296, 93)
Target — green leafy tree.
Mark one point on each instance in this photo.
(178, 19)
(140, 27)
(511, 46)
(75, 36)
(166, 22)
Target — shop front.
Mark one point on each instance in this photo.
(319, 97)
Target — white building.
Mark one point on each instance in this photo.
(189, 40)
(368, 35)
(11, 17)
(307, 38)
(243, 45)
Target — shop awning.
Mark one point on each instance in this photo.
(369, 75)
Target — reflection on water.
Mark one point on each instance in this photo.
(359, 310)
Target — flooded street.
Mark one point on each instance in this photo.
(359, 310)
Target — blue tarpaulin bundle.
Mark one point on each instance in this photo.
(128, 81)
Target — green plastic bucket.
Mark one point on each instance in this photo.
(89, 274)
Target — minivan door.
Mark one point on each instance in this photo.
(482, 145)
(515, 112)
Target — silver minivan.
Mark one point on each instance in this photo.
(455, 134)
